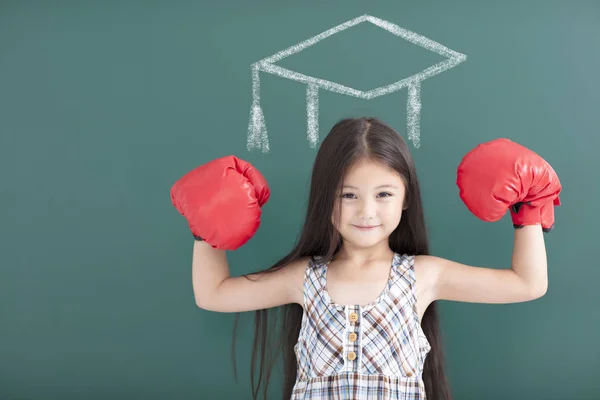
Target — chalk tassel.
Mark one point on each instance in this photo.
(257, 130)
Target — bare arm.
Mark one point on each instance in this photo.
(526, 280)
(209, 269)
(216, 290)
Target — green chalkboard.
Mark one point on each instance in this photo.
(103, 105)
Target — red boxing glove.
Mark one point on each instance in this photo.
(500, 175)
(222, 201)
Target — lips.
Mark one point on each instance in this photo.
(365, 228)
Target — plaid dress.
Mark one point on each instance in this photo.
(376, 351)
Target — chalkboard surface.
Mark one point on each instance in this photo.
(103, 105)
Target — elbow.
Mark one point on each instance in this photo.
(201, 302)
(200, 305)
(204, 306)
(208, 302)
(538, 291)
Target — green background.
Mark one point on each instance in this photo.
(104, 105)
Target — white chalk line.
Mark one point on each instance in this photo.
(414, 38)
(257, 132)
(312, 114)
(413, 112)
(313, 40)
(323, 83)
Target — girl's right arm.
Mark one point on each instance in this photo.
(221, 201)
(216, 290)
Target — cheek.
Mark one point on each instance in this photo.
(345, 212)
(393, 213)
(342, 215)
(337, 214)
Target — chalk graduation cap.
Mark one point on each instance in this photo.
(258, 138)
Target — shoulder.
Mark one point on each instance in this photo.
(431, 272)
(295, 272)
(432, 276)
(427, 270)
(425, 265)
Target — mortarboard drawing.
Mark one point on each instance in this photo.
(258, 138)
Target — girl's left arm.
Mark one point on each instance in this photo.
(494, 177)
(525, 280)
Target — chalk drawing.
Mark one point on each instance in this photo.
(257, 137)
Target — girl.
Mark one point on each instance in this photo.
(358, 291)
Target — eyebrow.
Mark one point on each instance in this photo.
(378, 187)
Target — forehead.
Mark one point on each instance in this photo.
(372, 173)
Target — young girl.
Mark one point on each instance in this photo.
(358, 290)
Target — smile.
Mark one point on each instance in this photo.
(366, 228)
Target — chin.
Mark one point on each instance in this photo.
(364, 241)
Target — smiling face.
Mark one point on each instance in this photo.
(369, 204)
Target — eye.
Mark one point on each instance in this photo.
(385, 194)
(347, 195)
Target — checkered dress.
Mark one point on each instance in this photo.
(376, 351)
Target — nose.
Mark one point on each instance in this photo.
(367, 209)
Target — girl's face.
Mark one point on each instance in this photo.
(370, 204)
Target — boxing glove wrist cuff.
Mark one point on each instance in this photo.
(524, 213)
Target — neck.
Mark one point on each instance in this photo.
(360, 256)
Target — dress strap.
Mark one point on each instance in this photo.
(313, 281)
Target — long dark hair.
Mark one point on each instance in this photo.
(349, 141)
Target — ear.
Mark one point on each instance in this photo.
(405, 201)
(405, 204)
(336, 210)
